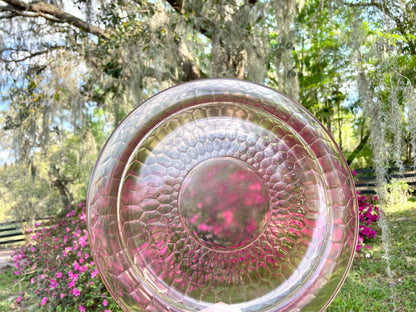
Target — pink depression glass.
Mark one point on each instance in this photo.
(222, 190)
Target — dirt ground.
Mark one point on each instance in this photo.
(6, 258)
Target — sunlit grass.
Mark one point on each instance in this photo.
(391, 210)
(367, 287)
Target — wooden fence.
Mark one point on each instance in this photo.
(365, 179)
(14, 233)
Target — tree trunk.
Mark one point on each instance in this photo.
(66, 196)
(358, 149)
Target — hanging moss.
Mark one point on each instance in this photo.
(410, 100)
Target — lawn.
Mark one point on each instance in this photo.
(367, 287)
(8, 290)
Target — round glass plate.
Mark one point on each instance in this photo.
(222, 190)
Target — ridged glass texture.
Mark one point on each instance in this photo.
(222, 191)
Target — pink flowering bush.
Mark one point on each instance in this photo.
(369, 213)
(57, 270)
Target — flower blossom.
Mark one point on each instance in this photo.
(44, 300)
(76, 292)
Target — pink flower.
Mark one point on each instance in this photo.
(76, 266)
(105, 303)
(61, 295)
(76, 292)
(94, 273)
(73, 276)
(81, 308)
(18, 299)
(58, 275)
(44, 300)
(82, 216)
(83, 240)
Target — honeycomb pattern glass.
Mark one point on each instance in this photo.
(222, 190)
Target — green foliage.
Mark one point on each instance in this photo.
(397, 192)
(50, 180)
(65, 88)
(27, 196)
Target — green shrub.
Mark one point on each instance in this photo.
(397, 192)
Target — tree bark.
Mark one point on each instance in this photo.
(189, 65)
(66, 196)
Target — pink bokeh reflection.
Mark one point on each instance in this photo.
(223, 203)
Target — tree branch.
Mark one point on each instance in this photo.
(31, 54)
(176, 5)
(189, 66)
(202, 24)
(377, 5)
(187, 61)
(206, 27)
(358, 149)
(51, 13)
(407, 33)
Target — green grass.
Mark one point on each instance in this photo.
(367, 287)
(8, 290)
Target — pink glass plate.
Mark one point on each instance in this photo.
(222, 190)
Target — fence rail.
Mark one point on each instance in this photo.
(365, 179)
(15, 232)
